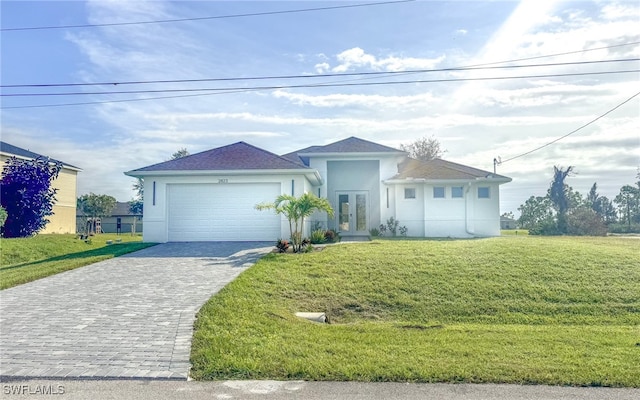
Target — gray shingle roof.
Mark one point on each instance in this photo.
(351, 145)
(20, 152)
(237, 156)
(348, 145)
(440, 169)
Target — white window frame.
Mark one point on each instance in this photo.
(488, 196)
(461, 192)
(444, 192)
(408, 191)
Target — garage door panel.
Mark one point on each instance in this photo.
(203, 212)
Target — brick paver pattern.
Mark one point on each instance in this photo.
(128, 317)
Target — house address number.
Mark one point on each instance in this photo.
(223, 180)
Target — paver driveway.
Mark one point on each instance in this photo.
(128, 317)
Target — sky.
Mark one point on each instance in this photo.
(477, 115)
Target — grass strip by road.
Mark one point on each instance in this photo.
(560, 311)
(24, 260)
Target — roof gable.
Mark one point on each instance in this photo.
(350, 145)
(440, 169)
(12, 150)
(237, 156)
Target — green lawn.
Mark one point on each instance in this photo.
(514, 309)
(27, 259)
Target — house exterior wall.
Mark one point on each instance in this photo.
(347, 175)
(409, 212)
(430, 216)
(156, 207)
(110, 224)
(355, 175)
(446, 216)
(63, 219)
(388, 197)
(486, 212)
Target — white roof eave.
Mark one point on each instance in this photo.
(312, 174)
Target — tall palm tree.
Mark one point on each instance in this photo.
(296, 209)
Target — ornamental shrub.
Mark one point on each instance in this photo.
(26, 194)
(317, 236)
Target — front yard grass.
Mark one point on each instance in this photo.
(24, 260)
(513, 309)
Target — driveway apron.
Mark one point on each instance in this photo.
(127, 317)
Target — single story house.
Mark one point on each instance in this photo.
(63, 219)
(211, 195)
(121, 220)
(508, 223)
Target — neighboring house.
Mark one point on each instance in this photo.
(63, 219)
(211, 195)
(508, 223)
(121, 220)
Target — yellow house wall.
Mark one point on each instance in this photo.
(63, 219)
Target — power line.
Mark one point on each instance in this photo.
(386, 73)
(574, 131)
(32, 28)
(320, 85)
(84, 103)
(558, 54)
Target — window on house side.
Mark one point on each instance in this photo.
(438, 192)
(483, 192)
(456, 192)
(409, 193)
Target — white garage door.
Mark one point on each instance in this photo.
(224, 212)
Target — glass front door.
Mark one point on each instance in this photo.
(353, 212)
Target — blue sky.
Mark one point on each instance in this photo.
(475, 121)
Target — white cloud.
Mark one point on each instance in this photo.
(373, 101)
(357, 58)
(322, 68)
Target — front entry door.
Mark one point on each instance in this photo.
(353, 213)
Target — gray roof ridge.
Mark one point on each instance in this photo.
(322, 148)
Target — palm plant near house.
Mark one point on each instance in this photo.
(296, 209)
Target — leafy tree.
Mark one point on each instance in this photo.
(508, 215)
(138, 187)
(26, 194)
(601, 205)
(136, 206)
(94, 206)
(296, 209)
(628, 201)
(559, 194)
(179, 154)
(426, 148)
(3, 216)
(584, 221)
(535, 211)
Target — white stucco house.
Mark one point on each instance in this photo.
(211, 196)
